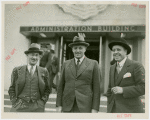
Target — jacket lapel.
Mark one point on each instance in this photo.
(113, 75)
(123, 72)
(41, 81)
(73, 67)
(21, 78)
(83, 66)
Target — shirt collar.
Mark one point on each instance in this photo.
(29, 67)
(122, 62)
(81, 59)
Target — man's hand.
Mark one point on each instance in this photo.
(59, 109)
(117, 90)
(94, 111)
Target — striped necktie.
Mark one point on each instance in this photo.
(118, 68)
(31, 71)
(78, 61)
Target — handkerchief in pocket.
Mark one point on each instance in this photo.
(127, 75)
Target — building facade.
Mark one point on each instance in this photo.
(58, 24)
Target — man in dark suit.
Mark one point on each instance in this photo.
(127, 81)
(50, 62)
(29, 89)
(79, 87)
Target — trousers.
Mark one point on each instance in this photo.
(74, 109)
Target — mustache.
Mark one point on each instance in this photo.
(33, 59)
(116, 54)
(77, 52)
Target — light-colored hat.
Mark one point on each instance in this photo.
(79, 40)
(34, 48)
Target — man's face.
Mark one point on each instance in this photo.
(119, 53)
(78, 51)
(33, 58)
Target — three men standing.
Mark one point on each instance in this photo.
(29, 89)
(127, 81)
(79, 87)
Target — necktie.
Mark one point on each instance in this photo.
(78, 61)
(118, 68)
(31, 71)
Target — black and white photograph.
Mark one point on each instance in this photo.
(75, 57)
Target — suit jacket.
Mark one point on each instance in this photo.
(133, 87)
(18, 82)
(84, 87)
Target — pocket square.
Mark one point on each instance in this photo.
(127, 75)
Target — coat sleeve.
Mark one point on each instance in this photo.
(61, 87)
(96, 87)
(109, 87)
(139, 78)
(49, 61)
(55, 65)
(11, 91)
(48, 87)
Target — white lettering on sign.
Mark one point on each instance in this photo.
(84, 29)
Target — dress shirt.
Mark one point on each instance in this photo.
(29, 68)
(81, 59)
(122, 63)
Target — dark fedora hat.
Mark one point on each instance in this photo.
(79, 41)
(34, 48)
(122, 42)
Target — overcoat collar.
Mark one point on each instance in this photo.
(123, 71)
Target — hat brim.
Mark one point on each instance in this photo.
(126, 46)
(27, 52)
(79, 43)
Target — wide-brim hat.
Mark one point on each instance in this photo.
(122, 42)
(78, 41)
(34, 48)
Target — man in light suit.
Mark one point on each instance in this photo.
(127, 81)
(50, 62)
(29, 89)
(79, 87)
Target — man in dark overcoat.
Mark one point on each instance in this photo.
(50, 62)
(79, 87)
(126, 81)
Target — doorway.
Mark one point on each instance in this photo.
(92, 51)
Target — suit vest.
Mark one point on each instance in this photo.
(31, 88)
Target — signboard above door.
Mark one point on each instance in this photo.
(124, 28)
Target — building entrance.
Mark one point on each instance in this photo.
(92, 51)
